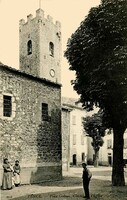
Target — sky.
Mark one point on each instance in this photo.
(69, 12)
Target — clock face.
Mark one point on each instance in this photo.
(52, 72)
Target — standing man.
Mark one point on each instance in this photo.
(86, 180)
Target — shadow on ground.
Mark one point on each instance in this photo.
(99, 190)
(65, 182)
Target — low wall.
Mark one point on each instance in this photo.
(37, 175)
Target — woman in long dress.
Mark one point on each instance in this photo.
(17, 171)
(7, 176)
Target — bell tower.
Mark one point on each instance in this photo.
(40, 46)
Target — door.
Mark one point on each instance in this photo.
(83, 157)
(74, 159)
(109, 160)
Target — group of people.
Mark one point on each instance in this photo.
(11, 175)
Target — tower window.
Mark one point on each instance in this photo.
(29, 47)
(7, 106)
(45, 112)
(51, 49)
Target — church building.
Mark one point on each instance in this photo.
(30, 102)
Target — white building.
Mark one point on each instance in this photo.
(106, 151)
(76, 146)
(78, 139)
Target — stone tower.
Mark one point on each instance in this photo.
(40, 46)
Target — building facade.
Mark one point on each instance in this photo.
(40, 46)
(106, 151)
(30, 102)
(78, 140)
(65, 138)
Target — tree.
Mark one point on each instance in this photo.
(97, 52)
(96, 130)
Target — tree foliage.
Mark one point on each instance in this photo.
(97, 52)
(93, 125)
(96, 130)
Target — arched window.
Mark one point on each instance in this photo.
(51, 49)
(29, 47)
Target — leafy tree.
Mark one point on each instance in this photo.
(97, 52)
(95, 129)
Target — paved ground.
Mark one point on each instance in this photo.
(97, 173)
(101, 173)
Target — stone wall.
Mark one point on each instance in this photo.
(40, 31)
(65, 139)
(24, 136)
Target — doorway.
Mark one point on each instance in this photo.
(83, 157)
(109, 159)
(74, 159)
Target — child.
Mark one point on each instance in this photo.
(17, 171)
(12, 171)
(86, 180)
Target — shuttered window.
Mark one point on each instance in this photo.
(45, 112)
(7, 106)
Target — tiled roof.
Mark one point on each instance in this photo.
(19, 72)
(71, 102)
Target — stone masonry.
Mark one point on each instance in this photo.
(65, 138)
(41, 31)
(24, 135)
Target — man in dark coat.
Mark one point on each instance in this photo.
(86, 180)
